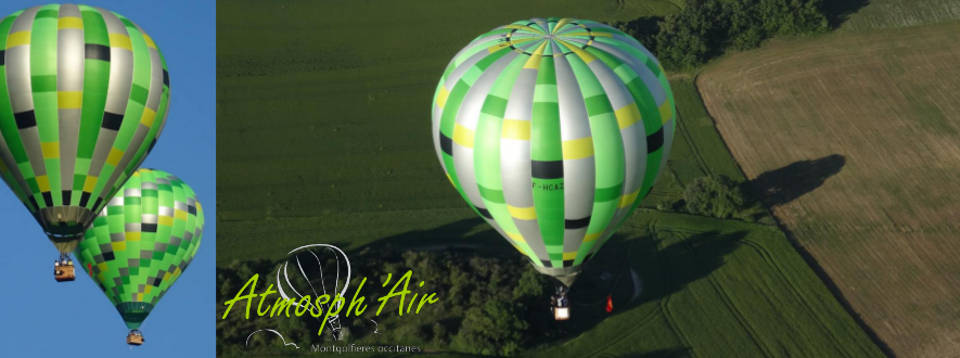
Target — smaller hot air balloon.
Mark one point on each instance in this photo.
(141, 243)
(83, 98)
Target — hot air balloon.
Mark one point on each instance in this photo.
(83, 97)
(553, 130)
(141, 242)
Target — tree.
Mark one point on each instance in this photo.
(716, 196)
(494, 329)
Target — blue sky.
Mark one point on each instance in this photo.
(32, 303)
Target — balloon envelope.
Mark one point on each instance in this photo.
(553, 130)
(83, 97)
(142, 241)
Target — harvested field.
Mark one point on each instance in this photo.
(855, 138)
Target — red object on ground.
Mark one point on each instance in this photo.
(609, 303)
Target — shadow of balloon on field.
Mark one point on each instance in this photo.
(624, 263)
(783, 185)
(838, 11)
(662, 265)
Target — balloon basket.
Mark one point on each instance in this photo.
(135, 338)
(64, 272)
(561, 313)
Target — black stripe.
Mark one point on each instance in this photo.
(108, 256)
(567, 263)
(576, 223)
(446, 144)
(97, 52)
(547, 169)
(33, 201)
(25, 119)
(546, 263)
(484, 212)
(2, 53)
(655, 141)
(148, 227)
(112, 121)
(84, 198)
(166, 78)
(156, 281)
(192, 210)
(96, 204)
(66, 196)
(47, 198)
(152, 144)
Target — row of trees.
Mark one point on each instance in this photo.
(704, 29)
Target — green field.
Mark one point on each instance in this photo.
(881, 14)
(323, 136)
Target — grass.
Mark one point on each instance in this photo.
(884, 221)
(323, 136)
(881, 14)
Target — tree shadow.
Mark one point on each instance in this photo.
(781, 186)
(838, 11)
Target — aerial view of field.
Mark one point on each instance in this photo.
(848, 136)
(872, 119)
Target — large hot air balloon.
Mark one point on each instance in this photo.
(83, 97)
(553, 130)
(141, 243)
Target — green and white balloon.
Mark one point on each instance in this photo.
(553, 130)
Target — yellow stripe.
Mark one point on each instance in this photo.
(442, 96)
(50, 150)
(527, 213)
(627, 115)
(180, 214)
(569, 255)
(120, 41)
(149, 41)
(516, 129)
(114, 157)
(586, 57)
(577, 148)
(516, 237)
(43, 183)
(69, 22)
(89, 184)
(18, 38)
(462, 136)
(592, 237)
(563, 22)
(148, 288)
(628, 199)
(69, 100)
(148, 116)
(534, 61)
(139, 297)
(132, 235)
(165, 221)
(591, 33)
(119, 246)
(524, 27)
(666, 111)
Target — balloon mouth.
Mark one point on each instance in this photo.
(65, 223)
(566, 275)
(134, 313)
